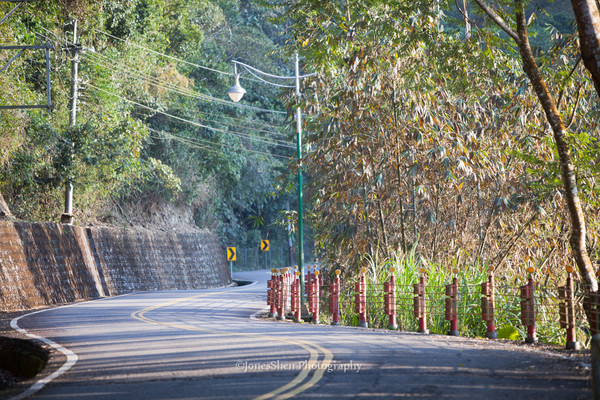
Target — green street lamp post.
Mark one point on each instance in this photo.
(236, 92)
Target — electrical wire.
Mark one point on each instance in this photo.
(174, 58)
(269, 82)
(195, 144)
(171, 88)
(270, 142)
(196, 141)
(217, 100)
(163, 55)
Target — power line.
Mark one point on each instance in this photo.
(270, 142)
(216, 99)
(231, 103)
(164, 55)
(173, 58)
(247, 67)
(175, 89)
(192, 142)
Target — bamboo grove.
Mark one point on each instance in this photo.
(425, 138)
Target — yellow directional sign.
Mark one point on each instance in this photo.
(231, 254)
(264, 245)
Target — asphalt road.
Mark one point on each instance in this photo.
(204, 345)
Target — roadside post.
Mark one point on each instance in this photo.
(528, 307)
(389, 299)
(361, 299)
(264, 247)
(420, 308)
(488, 307)
(334, 298)
(596, 366)
(314, 298)
(281, 294)
(231, 257)
(566, 307)
(452, 305)
(296, 303)
(272, 293)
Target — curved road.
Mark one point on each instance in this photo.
(204, 345)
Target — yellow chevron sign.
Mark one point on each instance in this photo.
(231, 254)
(264, 245)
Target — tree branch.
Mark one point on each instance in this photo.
(574, 108)
(562, 91)
(498, 20)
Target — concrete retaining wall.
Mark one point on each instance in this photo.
(46, 264)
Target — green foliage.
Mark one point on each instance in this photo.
(422, 138)
(130, 143)
(469, 278)
(509, 332)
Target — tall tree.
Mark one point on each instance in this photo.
(554, 118)
(587, 16)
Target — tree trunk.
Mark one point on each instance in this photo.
(578, 230)
(588, 25)
(4, 211)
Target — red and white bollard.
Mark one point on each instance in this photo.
(389, 299)
(314, 298)
(307, 277)
(321, 282)
(334, 298)
(452, 307)
(488, 307)
(280, 296)
(567, 311)
(290, 282)
(528, 308)
(420, 309)
(272, 294)
(295, 301)
(361, 299)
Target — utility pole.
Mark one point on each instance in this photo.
(67, 216)
(300, 183)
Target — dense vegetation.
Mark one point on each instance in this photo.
(426, 137)
(424, 133)
(156, 139)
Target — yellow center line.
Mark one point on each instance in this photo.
(293, 387)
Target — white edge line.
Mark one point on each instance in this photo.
(71, 357)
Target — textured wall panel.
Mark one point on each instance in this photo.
(45, 264)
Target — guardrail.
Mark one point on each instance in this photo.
(419, 305)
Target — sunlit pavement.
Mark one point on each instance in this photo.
(203, 344)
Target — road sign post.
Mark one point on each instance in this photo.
(231, 257)
(264, 247)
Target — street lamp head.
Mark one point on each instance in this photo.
(236, 92)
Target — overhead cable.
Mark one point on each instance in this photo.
(270, 142)
(193, 143)
(163, 55)
(172, 88)
(225, 102)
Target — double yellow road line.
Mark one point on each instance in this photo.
(301, 382)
